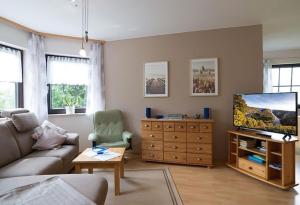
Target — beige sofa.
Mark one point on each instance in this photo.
(17, 158)
(21, 165)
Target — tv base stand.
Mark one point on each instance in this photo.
(263, 135)
(287, 135)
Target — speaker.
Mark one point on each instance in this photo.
(206, 112)
(148, 112)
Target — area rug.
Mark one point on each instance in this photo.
(151, 186)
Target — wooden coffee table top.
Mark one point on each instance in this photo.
(82, 158)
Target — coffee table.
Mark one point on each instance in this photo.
(84, 162)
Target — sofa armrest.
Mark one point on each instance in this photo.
(126, 136)
(72, 139)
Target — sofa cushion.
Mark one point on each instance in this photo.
(24, 139)
(66, 152)
(32, 166)
(92, 186)
(9, 113)
(25, 121)
(8, 145)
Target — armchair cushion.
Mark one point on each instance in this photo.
(116, 144)
(108, 126)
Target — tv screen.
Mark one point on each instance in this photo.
(273, 112)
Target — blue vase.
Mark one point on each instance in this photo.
(206, 112)
(148, 112)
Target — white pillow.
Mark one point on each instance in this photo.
(50, 139)
(60, 130)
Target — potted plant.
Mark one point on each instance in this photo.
(70, 103)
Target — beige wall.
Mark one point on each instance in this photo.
(239, 51)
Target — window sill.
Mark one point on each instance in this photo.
(76, 114)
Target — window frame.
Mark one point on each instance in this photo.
(283, 66)
(19, 94)
(60, 110)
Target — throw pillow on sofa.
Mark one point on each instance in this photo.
(47, 138)
(60, 130)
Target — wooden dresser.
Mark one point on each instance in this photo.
(187, 141)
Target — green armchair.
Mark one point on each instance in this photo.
(109, 131)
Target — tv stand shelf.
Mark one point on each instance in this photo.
(277, 152)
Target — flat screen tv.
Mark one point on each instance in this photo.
(271, 112)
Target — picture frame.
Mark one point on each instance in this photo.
(204, 77)
(156, 80)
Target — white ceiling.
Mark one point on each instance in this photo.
(122, 19)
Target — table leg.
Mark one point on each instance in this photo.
(90, 170)
(77, 169)
(122, 169)
(117, 179)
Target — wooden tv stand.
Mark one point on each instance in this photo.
(277, 151)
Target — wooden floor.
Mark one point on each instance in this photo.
(221, 185)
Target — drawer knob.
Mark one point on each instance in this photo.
(169, 126)
(175, 157)
(156, 126)
(151, 135)
(250, 168)
(192, 127)
(199, 138)
(199, 148)
(175, 147)
(199, 159)
(175, 137)
(152, 145)
(146, 125)
(180, 126)
(205, 127)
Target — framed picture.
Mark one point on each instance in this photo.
(204, 77)
(156, 79)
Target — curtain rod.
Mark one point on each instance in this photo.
(50, 35)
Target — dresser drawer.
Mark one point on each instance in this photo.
(175, 137)
(168, 126)
(192, 127)
(152, 155)
(180, 126)
(205, 127)
(152, 145)
(175, 157)
(254, 168)
(152, 135)
(204, 159)
(174, 147)
(199, 137)
(199, 148)
(157, 126)
(146, 125)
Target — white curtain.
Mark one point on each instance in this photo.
(67, 70)
(35, 79)
(95, 89)
(267, 76)
(10, 65)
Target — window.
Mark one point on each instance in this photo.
(11, 87)
(67, 83)
(286, 78)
